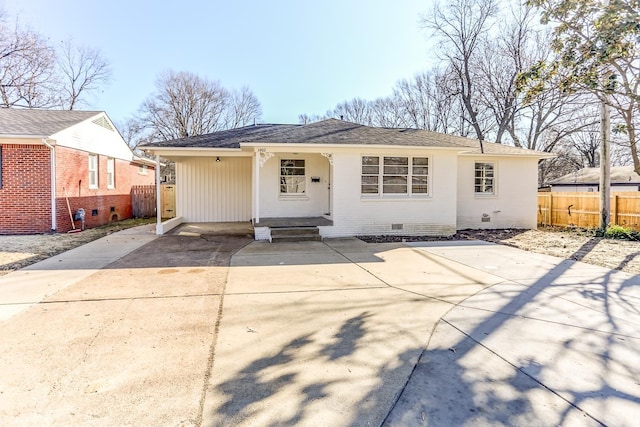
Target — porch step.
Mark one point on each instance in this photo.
(295, 234)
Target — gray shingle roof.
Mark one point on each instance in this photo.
(591, 176)
(32, 122)
(334, 132)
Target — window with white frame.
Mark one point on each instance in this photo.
(292, 176)
(111, 168)
(420, 175)
(398, 175)
(143, 169)
(93, 171)
(484, 182)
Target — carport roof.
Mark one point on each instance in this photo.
(335, 132)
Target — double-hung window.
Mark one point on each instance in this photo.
(484, 182)
(111, 179)
(393, 175)
(93, 171)
(292, 176)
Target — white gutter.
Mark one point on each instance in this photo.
(20, 136)
(54, 220)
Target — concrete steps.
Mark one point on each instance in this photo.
(295, 234)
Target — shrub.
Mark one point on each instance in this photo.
(621, 233)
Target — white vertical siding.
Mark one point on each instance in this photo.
(210, 191)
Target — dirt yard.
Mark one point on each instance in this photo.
(19, 251)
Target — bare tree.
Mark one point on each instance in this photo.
(244, 108)
(460, 25)
(83, 70)
(27, 67)
(385, 112)
(133, 131)
(186, 104)
(305, 118)
(357, 110)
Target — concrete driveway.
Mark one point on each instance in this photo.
(324, 333)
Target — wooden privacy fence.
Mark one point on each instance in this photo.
(143, 200)
(577, 209)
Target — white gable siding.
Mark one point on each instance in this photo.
(93, 138)
(210, 191)
(515, 202)
(355, 214)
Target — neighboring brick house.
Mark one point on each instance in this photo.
(49, 156)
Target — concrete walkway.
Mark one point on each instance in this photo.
(337, 333)
(21, 289)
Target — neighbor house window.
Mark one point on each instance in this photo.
(143, 169)
(292, 176)
(398, 175)
(93, 171)
(484, 182)
(111, 167)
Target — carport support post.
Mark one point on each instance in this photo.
(158, 198)
(256, 188)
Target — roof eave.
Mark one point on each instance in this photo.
(539, 155)
(308, 145)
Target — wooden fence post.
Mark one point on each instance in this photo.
(550, 209)
(614, 210)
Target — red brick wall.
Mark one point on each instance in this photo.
(25, 196)
(101, 204)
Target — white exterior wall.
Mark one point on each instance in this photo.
(515, 202)
(314, 203)
(355, 214)
(210, 191)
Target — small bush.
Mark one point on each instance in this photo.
(621, 233)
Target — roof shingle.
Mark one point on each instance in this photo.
(37, 123)
(591, 176)
(334, 132)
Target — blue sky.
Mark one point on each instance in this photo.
(296, 56)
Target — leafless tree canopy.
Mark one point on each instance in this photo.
(185, 104)
(474, 90)
(34, 74)
(83, 70)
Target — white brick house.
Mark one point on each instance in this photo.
(358, 180)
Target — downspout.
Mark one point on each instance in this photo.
(54, 220)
